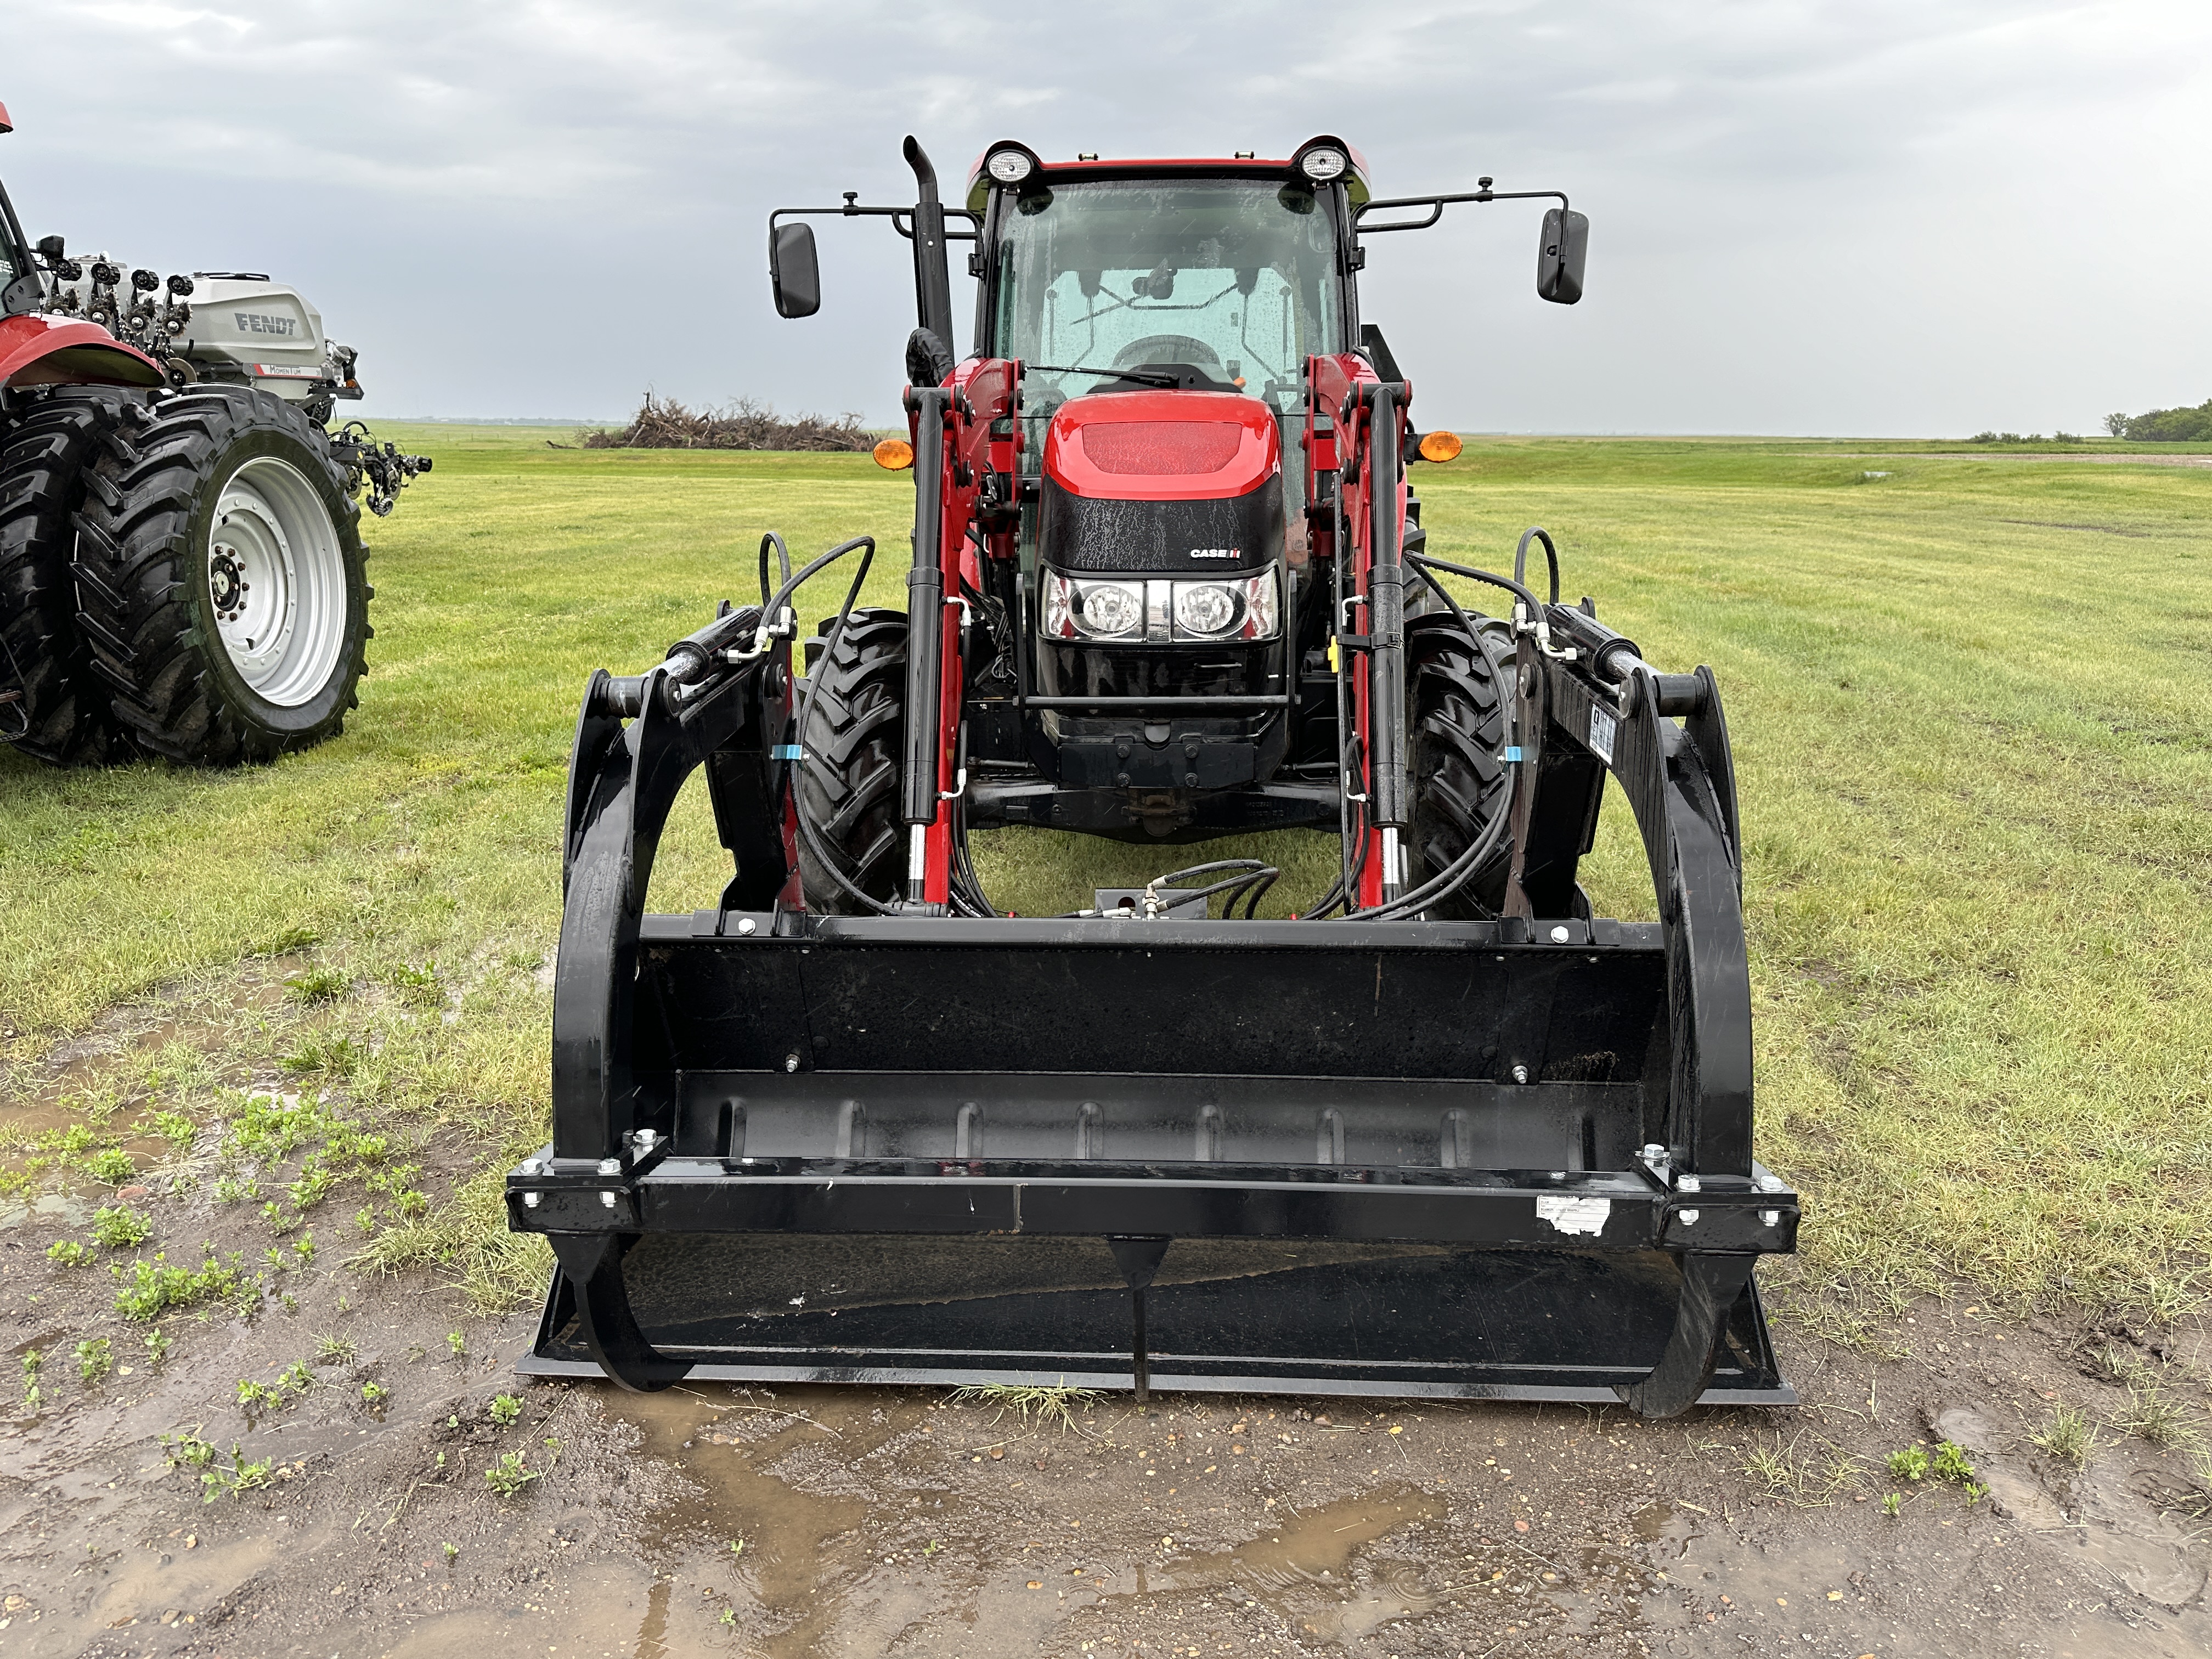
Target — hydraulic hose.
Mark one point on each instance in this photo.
(807, 828)
(1536, 533)
(783, 564)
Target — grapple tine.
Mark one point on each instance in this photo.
(608, 1330)
(1710, 1285)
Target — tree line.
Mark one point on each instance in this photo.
(2168, 426)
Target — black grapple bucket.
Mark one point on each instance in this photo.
(1503, 1159)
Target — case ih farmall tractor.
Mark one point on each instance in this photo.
(181, 569)
(1445, 1132)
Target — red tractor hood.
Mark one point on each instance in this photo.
(42, 350)
(1162, 446)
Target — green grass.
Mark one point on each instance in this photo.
(1970, 713)
(1050, 1404)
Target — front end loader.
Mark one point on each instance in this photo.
(1443, 1132)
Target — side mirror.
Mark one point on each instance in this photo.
(1559, 257)
(793, 271)
(50, 249)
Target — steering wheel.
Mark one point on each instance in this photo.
(1170, 349)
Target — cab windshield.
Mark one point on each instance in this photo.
(1234, 278)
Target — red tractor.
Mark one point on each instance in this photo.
(1443, 1132)
(181, 567)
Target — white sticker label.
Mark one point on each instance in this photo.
(286, 372)
(1601, 729)
(1574, 1215)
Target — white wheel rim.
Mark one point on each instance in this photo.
(277, 581)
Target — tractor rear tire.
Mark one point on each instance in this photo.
(220, 577)
(848, 779)
(1457, 690)
(61, 714)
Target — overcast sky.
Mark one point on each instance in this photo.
(1868, 218)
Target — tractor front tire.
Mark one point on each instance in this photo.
(848, 778)
(220, 577)
(60, 711)
(1457, 690)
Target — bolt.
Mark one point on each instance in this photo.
(1688, 1217)
(643, 1139)
(1559, 936)
(1520, 1073)
(1653, 1152)
(1770, 1218)
(1190, 779)
(530, 1201)
(1122, 779)
(746, 925)
(1687, 1183)
(1768, 1183)
(791, 1062)
(607, 1202)
(610, 1166)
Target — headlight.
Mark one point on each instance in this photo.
(1162, 610)
(1322, 165)
(1203, 607)
(1105, 609)
(1077, 610)
(1009, 166)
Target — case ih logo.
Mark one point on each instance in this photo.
(1215, 553)
(252, 322)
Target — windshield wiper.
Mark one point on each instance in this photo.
(1145, 376)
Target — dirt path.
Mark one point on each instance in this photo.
(878, 1521)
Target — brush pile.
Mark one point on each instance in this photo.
(664, 423)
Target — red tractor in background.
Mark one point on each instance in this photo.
(1443, 1132)
(181, 569)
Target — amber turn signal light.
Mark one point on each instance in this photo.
(896, 454)
(1440, 446)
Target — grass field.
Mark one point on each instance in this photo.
(1971, 700)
